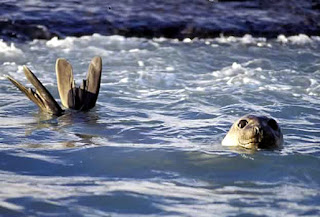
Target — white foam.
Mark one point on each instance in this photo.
(300, 39)
(246, 40)
(140, 63)
(232, 70)
(314, 88)
(187, 40)
(124, 80)
(55, 42)
(84, 41)
(252, 77)
(136, 50)
(11, 206)
(9, 64)
(282, 39)
(156, 78)
(161, 39)
(169, 68)
(9, 52)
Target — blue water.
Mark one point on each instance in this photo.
(152, 145)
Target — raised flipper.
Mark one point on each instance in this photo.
(79, 98)
(41, 96)
(65, 83)
(91, 85)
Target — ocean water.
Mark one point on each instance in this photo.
(152, 145)
(176, 75)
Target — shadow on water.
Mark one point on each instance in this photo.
(112, 162)
(44, 126)
(121, 202)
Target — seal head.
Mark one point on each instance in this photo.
(254, 132)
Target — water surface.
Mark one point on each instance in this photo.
(151, 146)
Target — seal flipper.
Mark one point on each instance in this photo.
(66, 83)
(41, 97)
(91, 86)
(31, 94)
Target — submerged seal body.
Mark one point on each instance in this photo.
(254, 132)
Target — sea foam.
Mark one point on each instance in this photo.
(8, 52)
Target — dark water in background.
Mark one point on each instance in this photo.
(151, 147)
(30, 19)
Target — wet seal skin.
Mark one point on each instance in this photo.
(254, 132)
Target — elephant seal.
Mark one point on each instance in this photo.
(254, 132)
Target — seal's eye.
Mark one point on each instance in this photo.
(242, 123)
(273, 124)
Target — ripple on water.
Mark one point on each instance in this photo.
(152, 144)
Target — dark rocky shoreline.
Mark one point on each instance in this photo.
(21, 21)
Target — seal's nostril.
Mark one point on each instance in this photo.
(257, 130)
